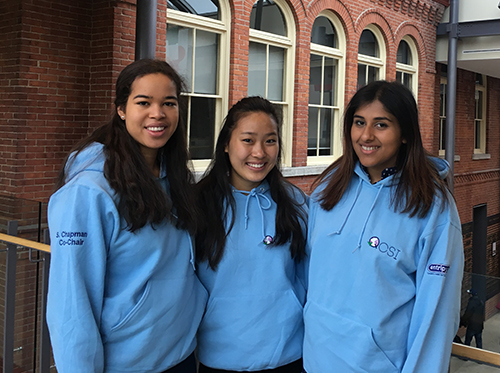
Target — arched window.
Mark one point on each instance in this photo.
(326, 90)
(197, 46)
(407, 64)
(271, 60)
(371, 56)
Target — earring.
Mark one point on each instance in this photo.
(123, 117)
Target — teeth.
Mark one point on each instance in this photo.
(156, 129)
(256, 165)
(369, 148)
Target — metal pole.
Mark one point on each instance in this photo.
(10, 301)
(145, 29)
(44, 332)
(451, 90)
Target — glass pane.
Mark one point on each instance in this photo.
(399, 77)
(202, 127)
(323, 33)
(325, 133)
(257, 69)
(479, 79)
(275, 75)
(442, 125)
(315, 79)
(204, 8)
(442, 100)
(479, 105)
(368, 44)
(207, 46)
(361, 75)
(372, 74)
(267, 16)
(407, 80)
(404, 53)
(179, 51)
(312, 132)
(477, 144)
(329, 86)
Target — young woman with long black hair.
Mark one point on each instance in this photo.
(251, 249)
(386, 254)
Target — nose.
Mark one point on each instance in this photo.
(367, 133)
(157, 111)
(258, 150)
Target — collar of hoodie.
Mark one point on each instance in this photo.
(263, 202)
(363, 181)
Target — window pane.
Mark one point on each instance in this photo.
(257, 69)
(323, 33)
(312, 132)
(404, 53)
(206, 62)
(204, 8)
(442, 100)
(330, 81)
(267, 16)
(407, 80)
(477, 143)
(275, 75)
(372, 74)
(368, 44)
(361, 75)
(442, 126)
(180, 51)
(202, 127)
(479, 105)
(399, 77)
(325, 134)
(315, 79)
(479, 79)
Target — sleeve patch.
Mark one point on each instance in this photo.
(438, 269)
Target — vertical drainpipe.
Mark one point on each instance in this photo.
(145, 29)
(451, 90)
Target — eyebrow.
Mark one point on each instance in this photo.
(150, 97)
(254, 133)
(377, 118)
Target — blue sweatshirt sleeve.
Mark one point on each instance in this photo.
(81, 221)
(436, 312)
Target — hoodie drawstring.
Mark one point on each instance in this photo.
(258, 196)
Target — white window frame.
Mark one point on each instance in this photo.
(288, 43)
(378, 62)
(482, 126)
(221, 27)
(410, 69)
(339, 55)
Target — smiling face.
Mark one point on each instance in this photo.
(252, 149)
(151, 113)
(376, 138)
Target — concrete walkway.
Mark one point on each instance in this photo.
(491, 342)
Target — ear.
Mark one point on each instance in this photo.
(120, 112)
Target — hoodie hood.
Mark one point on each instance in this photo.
(91, 158)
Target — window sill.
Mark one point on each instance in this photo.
(476, 157)
(303, 171)
(457, 157)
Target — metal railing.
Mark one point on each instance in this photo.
(13, 244)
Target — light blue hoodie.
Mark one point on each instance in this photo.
(254, 314)
(384, 288)
(118, 301)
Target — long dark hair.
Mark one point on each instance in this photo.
(141, 197)
(216, 201)
(419, 179)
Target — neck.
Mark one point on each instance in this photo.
(150, 157)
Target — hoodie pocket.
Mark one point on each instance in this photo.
(333, 340)
(251, 333)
